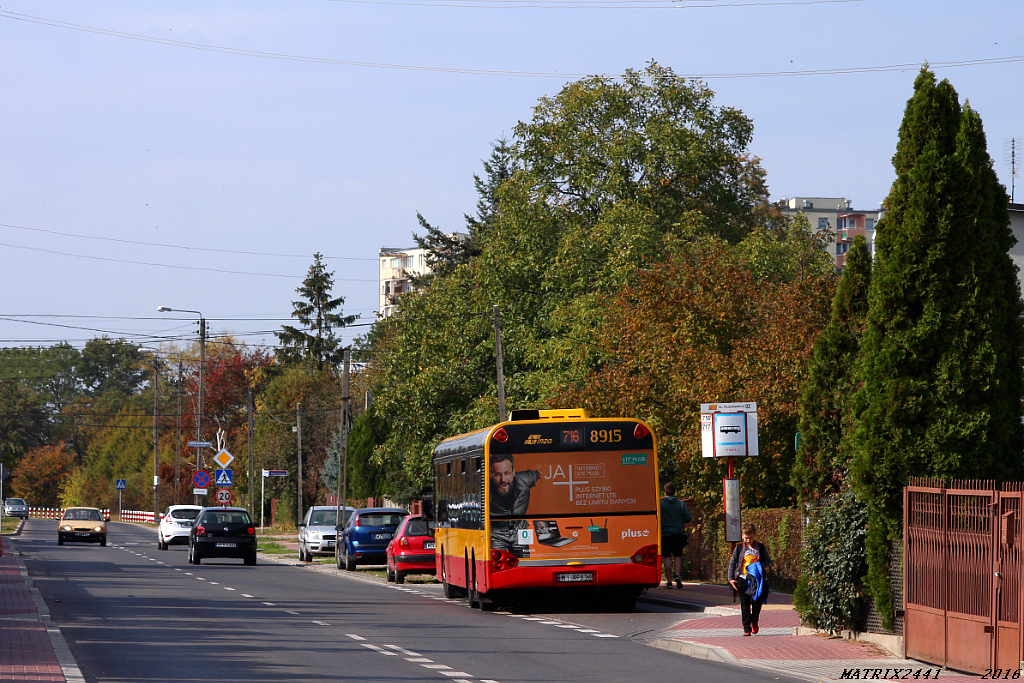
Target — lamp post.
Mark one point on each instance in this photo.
(202, 376)
(156, 432)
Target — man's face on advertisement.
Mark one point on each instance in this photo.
(502, 475)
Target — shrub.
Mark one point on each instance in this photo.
(830, 590)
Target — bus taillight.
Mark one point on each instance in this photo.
(640, 431)
(502, 559)
(501, 435)
(647, 555)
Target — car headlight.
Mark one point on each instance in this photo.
(314, 535)
(66, 527)
(99, 528)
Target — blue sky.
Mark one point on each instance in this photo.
(135, 172)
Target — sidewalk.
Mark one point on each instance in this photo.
(31, 646)
(777, 647)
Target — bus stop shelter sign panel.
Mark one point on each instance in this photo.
(728, 430)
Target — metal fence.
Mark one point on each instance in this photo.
(126, 515)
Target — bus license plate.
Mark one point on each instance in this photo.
(428, 545)
(574, 577)
(225, 545)
(382, 537)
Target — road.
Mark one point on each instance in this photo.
(133, 613)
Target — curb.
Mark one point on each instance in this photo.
(687, 606)
(695, 650)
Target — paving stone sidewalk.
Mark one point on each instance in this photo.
(776, 647)
(31, 646)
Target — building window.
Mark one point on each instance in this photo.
(869, 223)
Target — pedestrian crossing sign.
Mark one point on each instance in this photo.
(223, 477)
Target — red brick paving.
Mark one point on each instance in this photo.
(26, 651)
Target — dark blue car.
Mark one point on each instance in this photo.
(364, 540)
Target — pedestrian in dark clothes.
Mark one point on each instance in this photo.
(674, 518)
(748, 574)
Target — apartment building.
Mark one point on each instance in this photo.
(395, 265)
(836, 214)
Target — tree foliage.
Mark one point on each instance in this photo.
(40, 473)
(700, 327)
(821, 468)
(942, 379)
(320, 314)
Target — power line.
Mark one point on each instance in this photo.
(184, 248)
(173, 266)
(490, 72)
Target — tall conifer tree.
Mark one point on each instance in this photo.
(941, 376)
(820, 468)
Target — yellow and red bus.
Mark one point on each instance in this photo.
(548, 500)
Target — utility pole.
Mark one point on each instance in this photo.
(501, 369)
(298, 430)
(343, 454)
(202, 389)
(177, 448)
(156, 438)
(252, 435)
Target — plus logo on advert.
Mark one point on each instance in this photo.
(629, 533)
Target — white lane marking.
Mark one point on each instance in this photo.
(199, 578)
(461, 680)
(418, 660)
(605, 635)
(245, 595)
(587, 630)
(188, 573)
(402, 650)
(178, 569)
(227, 588)
(568, 626)
(487, 680)
(322, 623)
(454, 673)
(533, 618)
(270, 604)
(435, 666)
(379, 650)
(438, 598)
(214, 583)
(354, 636)
(291, 612)
(550, 623)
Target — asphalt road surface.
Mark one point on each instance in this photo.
(133, 613)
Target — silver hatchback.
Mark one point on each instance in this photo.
(16, 507)
(317, 534)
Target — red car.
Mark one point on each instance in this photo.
(411, 551)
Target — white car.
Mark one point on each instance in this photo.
(16, 507)
(175, 525)
(317, 533)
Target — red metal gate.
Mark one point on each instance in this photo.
(962, 574)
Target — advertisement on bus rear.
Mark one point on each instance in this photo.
(587, 503)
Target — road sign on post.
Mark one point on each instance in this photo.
(223, 496)
(224, 478)
(201, 479)
(120, 484)
(223, 458)
(200, 444)
(728, 430)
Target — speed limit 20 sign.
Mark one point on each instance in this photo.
(223, 496)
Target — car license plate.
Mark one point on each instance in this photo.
(81, 533)
(574, 577)
(225, 545)
(428, 545)
(382, 537)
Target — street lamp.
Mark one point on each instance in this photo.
(156, 431)
(202, 370)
